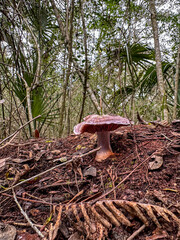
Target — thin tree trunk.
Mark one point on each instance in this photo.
(3, 113)
(86, 62)
(69, 112)
(28, 99)
(68, 69)
(158, 60)
(176, 84)
(60, 23)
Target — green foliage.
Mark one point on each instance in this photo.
(121, 58)
(149, 79)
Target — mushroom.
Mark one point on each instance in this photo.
(102, 125)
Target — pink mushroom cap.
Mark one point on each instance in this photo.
(96, 123)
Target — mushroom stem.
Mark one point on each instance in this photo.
(104, 143)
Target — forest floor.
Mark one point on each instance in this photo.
(69, 201)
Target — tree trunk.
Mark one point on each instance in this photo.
(158, 60)
(28, 99)
(176, 84)
(86, 62)
(3, 113)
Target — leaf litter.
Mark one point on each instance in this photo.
(53, 198)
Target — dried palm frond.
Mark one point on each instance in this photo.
(95, 220)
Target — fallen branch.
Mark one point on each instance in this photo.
(9, 141)
(10, 136)
(29, 200)
(137, 232)
(62, 184)
(26, 216)
(22, 224)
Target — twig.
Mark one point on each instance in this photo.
(166, 137)
(9, 141)
(48, 170)
(61, 184)
(77, 195)
(26, 216)
(137, 232)
(23, 224)
(28, 200)
(10, 136)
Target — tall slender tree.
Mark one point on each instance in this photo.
(176, 87)
(86, 71)
(158, 60)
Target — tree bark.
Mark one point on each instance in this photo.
(86, 62)
(28, 99)
(158, 60)
(176, 84)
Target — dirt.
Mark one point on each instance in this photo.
(85, 180)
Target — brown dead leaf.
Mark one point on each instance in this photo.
(3, 162)
(30, 154)
(27, 236)
(39, 155)
(36, 146)
(19, 160)
(56, 152)
(34, 212)
(21, 173)
(158, 234)
(160, 196)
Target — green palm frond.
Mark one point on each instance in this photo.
(149, 79)
(135, 53)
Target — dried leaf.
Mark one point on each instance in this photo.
(7, 231)
(56, 152)
(18, 160)
(158, 234)
(157, 163)
(97, 219)
(3, 163)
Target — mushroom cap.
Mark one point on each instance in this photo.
(96, 123)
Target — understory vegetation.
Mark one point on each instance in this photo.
(64, 60)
